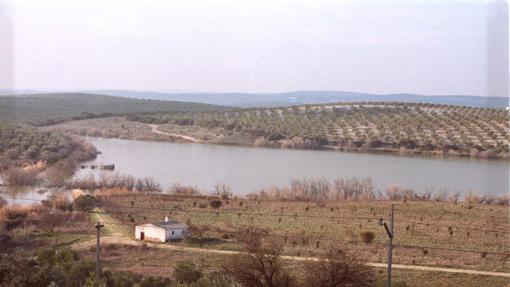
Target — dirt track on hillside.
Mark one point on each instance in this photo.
(154, 129)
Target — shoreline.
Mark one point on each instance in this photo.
(388, 152)
(122, 128)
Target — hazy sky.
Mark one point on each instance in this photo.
(428, 47)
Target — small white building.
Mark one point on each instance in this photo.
(161, 231)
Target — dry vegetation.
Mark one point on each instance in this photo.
(160, 262)
(26, 152)
(112, 127)
(52, 222)
(425, 231)
(286, 227)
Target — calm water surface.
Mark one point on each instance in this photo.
(248, 169)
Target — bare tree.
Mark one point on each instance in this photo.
(199, 231)
(223, 190)
(261, 265)
(147, 184)
(337, 268)
(50, 219)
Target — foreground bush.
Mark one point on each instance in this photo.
(179, 189)
(215, 203)
(20, 176)
(84, 203)
(60, 268)
(210, 280)
(65, 268)
(261, 265)
(337, 268)
(367, 236)
(13, 217)
(187, 272)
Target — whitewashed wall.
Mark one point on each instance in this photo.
(151, 233)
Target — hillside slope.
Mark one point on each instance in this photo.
(392, 127)
(44, 109)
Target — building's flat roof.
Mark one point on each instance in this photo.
(168, 224)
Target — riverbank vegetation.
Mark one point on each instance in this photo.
(319, 191)
(408, 128)
(25, 152)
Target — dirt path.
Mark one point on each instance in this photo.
(117, 234)
(113, 230)
(154, 129)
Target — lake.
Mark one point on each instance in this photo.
(249, 169)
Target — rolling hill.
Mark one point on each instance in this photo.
(44, 109)
(310, 97)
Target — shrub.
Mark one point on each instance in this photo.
(223, 190)
(260, 266)
(123, 278)
(154, 282)
(84, 203)
(213, 280)
(187, 272)
(65, 268)
(503, 200)
(147, 184)
(367, 236)
(20, 176)
(48, 219)
(13, 217)
(473, 198)
(12, 153)
(215, 203)
(179, 189)
(338, 268)
(58, 201)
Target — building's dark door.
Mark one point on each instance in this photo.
(142, 235)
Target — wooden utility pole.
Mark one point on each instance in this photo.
(389, 231)
(98, 226)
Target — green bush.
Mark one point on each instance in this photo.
(84, 203)
(215, 203)
(367, 236)
(65, 268)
